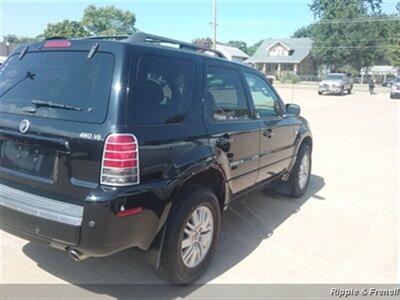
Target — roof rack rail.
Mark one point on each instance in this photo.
(107, 37)
(54, 38)
(144, 38)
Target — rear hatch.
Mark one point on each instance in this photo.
(55, 113)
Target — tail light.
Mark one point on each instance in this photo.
(130, 212)
(120, 164)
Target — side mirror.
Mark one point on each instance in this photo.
(293, 109)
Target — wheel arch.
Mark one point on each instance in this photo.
(211, 177)
(306, 139)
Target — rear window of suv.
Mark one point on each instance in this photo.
(62, 78)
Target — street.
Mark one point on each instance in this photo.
(344, 230)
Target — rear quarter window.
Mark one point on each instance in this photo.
(162, 90)
(62, 77)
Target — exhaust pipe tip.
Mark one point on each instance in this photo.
(76, 255)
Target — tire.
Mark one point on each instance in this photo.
(391, 96)
(298, 188)
(320, 93)
(172, 264)
(342, 92)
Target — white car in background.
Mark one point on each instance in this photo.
(336, 83)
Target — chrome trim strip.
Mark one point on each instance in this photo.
(41, 207)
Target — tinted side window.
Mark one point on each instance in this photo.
(225, 96)
(265, 100)
(162, 91)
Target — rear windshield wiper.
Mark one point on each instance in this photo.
(41, 103)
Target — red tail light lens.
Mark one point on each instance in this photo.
(130, 212)
(120, 165)
(57, 44)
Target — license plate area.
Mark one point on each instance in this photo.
(27, 158)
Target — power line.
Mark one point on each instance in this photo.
(174, 1)
(346, 47)
(359, 20)
(257, 23)
(352, 47)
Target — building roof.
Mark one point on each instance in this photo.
(383, 69)
(379, 70)
(300, 49)
(229, 51)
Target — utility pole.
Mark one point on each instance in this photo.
(214, 24)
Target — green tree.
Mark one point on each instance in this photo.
(304, 32)
(349, 69)
(65, 29)
(345, 34)
(393, 52)
(252, 49)
(108, 20)
(332, 9)
(12, 38)
(238, 44)
(203, 42)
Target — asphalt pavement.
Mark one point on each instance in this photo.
(344, 230)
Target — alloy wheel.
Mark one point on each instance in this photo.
(304, 171)
(197, 237)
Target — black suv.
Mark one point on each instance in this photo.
(142, 142)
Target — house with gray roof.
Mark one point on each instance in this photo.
(232, 53)
(276, 56)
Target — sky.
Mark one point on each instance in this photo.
(249, 21)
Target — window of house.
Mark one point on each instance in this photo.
(225, 95)
(162, 91)
(278, 50)
(265, 100)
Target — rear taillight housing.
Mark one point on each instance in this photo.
(57, 44)
(120, 164)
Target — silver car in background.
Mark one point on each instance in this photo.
(395, 89)
(336, 83)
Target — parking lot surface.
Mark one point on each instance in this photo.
(344, 230)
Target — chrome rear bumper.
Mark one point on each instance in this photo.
(42, 207)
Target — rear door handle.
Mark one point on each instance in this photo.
(269, 133)
(59, 144)
(224, 142)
